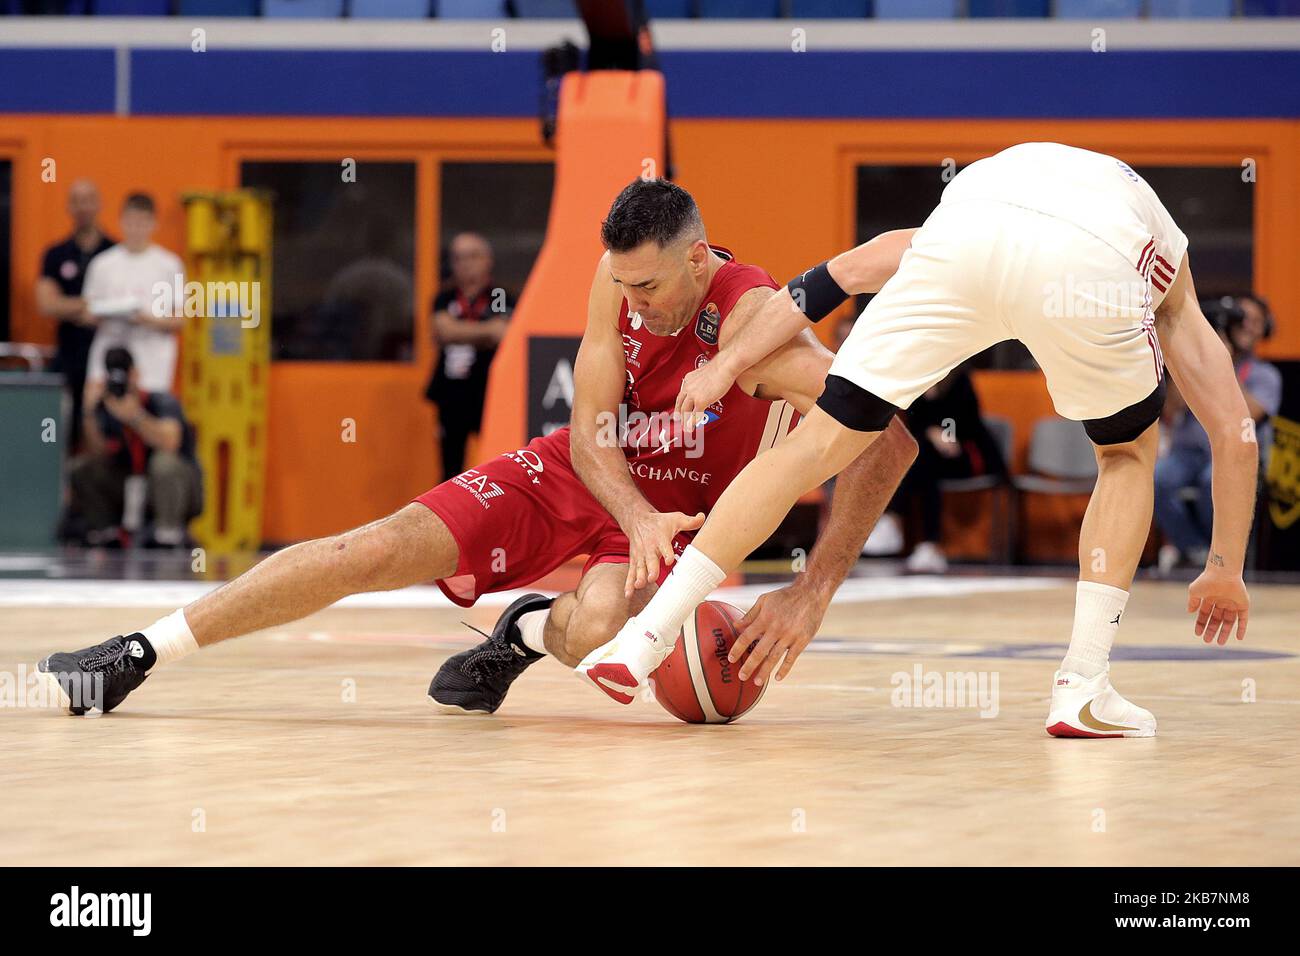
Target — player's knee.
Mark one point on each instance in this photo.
(588, 630)
(1140, 452)
(1119, 458)
(596, 619)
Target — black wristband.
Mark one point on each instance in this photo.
(816, 293)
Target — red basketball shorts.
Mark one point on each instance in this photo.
(520, 516)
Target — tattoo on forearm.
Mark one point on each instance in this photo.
(1216, 558)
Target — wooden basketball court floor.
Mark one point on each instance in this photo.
(314, 744)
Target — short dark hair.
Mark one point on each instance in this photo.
(650, 210)
(118, 357)
(141, 201)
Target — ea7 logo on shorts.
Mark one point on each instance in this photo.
(707, 325)
(477, 484)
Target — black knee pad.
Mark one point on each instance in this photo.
(854, 407)
(1127, 423)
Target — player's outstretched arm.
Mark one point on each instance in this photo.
(1203, 371)
(866, 268)
(784, 622)
(595, 439)
(807, 298)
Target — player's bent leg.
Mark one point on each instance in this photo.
(593, 614)
(749, 511)
(755, 503)
(407, 547)
(1115, 528)
(1118, 519)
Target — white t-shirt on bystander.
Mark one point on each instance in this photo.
(118, 284)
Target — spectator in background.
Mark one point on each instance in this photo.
(135, 439)
(1242, 322)
(58, 293)
(953, 442)
(119, 291)
(470, 317)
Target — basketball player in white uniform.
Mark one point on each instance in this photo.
(1071, 253)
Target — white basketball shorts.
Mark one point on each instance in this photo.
(981, 272)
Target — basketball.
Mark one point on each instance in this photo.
(697, 684)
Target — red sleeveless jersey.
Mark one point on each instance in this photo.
(532, 506)
(688, 472)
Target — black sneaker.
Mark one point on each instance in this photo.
(97, 679)
(476, 681)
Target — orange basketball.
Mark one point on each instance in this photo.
(697, 683)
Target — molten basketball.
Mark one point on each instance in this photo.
(697, 683)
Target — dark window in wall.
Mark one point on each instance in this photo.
(343, 269)
(1211, 205)
(1216, 210)
(900, 197)
(508, 203)
(6, 258)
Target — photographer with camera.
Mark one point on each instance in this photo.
(139, 459)
(1184, 509)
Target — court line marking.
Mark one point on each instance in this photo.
(171, 594)
(838, 688)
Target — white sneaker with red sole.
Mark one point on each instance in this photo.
(1091, 707)
(620, 667)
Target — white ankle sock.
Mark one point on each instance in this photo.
(694, 577)
(532, 628)
(1097, 612)
(170, 638)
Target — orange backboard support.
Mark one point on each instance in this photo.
(610, 129)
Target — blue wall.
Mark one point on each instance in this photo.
(843, 84)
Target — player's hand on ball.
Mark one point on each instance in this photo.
(1219, 600)
(700, 389)
(650, 540)
(780, 624)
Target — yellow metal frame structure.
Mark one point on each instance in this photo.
(227, 356)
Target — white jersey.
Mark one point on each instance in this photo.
(1092, 191)
(118, 283)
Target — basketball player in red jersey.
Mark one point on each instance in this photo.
(624, 484)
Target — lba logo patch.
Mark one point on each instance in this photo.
(707, 325)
